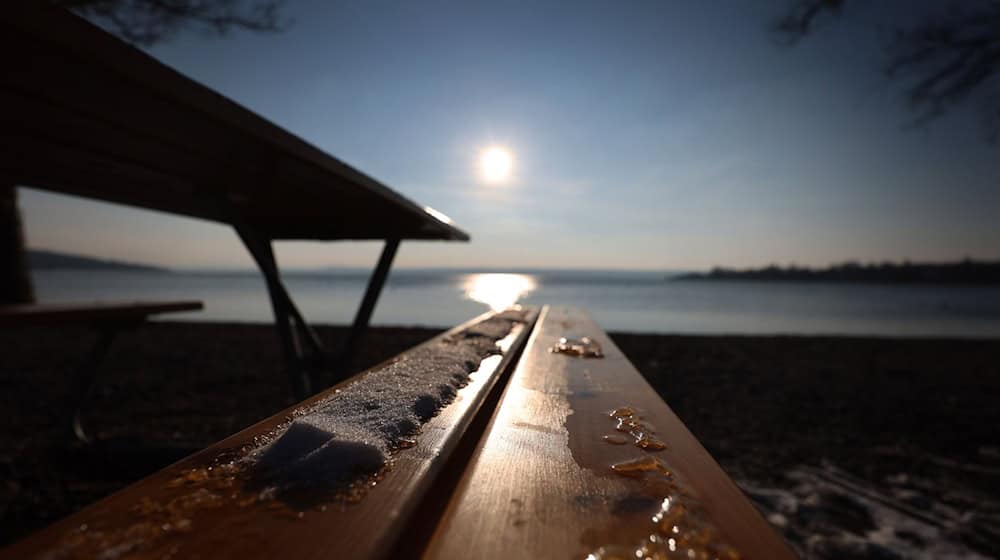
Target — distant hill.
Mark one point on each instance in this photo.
(962, 272)
(39, 259)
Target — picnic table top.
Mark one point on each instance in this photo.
(555, 476)
(48, 313)
(87, 114)
(517, 465)
(202, 510)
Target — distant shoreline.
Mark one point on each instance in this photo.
(965, 272)
(40, 259)
(962, 272)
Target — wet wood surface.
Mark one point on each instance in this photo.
(521, 470)
(193, 509)
(540, 483)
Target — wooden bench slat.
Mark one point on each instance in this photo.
(540, 484)
(231, 524)
(108, 318)
(58, 313)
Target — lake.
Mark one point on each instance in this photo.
(635, 301)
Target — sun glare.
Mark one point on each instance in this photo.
(499, 291)
(496, 164)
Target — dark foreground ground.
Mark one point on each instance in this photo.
(852, 447)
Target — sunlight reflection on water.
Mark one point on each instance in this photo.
(498, 291)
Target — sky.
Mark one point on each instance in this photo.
(643, 135)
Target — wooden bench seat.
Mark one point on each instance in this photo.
(554, 478)
(108, 318)
(188, 510)
(526, 462)
(98, 313)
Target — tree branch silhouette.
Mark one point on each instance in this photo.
(146, 22)
(944, 60)
(801, 19)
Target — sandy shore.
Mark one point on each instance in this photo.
(896, 425)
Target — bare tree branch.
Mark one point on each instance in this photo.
(947, 61)
(149, 21)
(944, 60)
(802, 18)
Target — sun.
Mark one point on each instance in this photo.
(496, 164)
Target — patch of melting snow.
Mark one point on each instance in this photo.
(679, 528)
(826, 513)
(352, 432)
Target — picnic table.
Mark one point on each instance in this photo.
(86, 114)
(556, 448)
(109, 319)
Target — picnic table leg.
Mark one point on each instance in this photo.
(263, 254)
(83, 382)
(305, 331)
(365, 310)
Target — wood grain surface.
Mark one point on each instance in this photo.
(189, 511)
(540, 483)
(535, 481)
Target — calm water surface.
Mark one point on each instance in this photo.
(618, 301)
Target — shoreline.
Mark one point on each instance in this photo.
(766, 407)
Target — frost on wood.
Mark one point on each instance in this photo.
(350, 433)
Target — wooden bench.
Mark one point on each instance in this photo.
(517, 466)
(108, 318)
(554, 478)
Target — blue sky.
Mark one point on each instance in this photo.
(652, 135)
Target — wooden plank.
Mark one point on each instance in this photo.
(177, 513)
(541, 484)
(128, 106)
(59, 313)
(47, 145)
